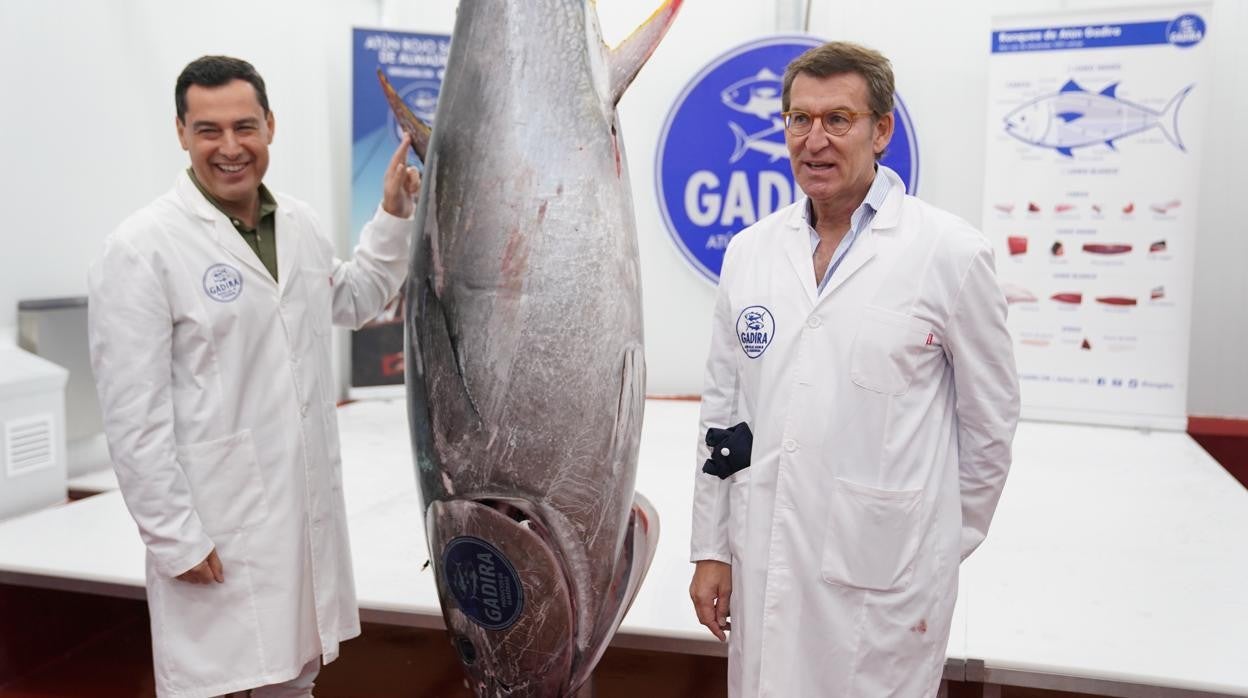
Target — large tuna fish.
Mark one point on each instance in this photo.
(525, 368)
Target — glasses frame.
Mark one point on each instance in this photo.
(823, 120)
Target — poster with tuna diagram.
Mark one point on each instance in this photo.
(1094, 137)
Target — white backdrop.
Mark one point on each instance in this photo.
(86, 134)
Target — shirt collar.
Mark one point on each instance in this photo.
(880, 186)
(268, 204)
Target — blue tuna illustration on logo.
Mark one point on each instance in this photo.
(758, 96)
(1074, 118)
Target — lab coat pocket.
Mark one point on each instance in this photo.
(333, 444)
(738, 508)
(872, 536)
(886, 350)
(319, 285)
(224, 475)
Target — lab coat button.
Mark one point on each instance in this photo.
(814, 321)
(790, 445)
(303, 410)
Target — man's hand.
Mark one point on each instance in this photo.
(401, 184)
(711, 591)
(206, 572)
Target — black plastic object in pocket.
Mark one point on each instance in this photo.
(730, 450)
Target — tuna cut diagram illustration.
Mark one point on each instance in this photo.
(525, 365)
(1076, 118)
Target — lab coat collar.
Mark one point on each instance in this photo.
(226, 236)
(797, 240)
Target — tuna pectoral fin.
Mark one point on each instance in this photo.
(627, 58)
(640, 541)
(1169, 119)
(412, 125)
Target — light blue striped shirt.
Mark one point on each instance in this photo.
(860, 220)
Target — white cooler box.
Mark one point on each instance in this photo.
(32, 432)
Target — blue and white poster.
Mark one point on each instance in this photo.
(722, 163)
(1094, 137)
(415, 65)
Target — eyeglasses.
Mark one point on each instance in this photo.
(836, 122)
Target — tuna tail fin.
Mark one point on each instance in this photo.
(418, 130)
(1169, 119)
(743, 142)
(627, 58)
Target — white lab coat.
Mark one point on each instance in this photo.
(883, 411)
(219, 407)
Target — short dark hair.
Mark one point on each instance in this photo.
(215, 71)
(838, 58)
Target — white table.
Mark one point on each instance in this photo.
(1116, 563)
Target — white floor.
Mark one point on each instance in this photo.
(1118, 560)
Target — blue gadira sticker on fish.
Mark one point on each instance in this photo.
(755, 329)
(722, 162)
(483, 582)
(1075, 118)
(223, 283)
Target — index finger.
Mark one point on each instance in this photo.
(399, 159)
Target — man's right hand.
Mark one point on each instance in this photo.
(206, 572)
(711, 591)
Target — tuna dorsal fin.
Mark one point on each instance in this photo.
(627, 58)
(417, 129)
(1110, 90)
(1072, 86)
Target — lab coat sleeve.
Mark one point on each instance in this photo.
(130, 330)
(986, 388)
(372, 277)
(719, 397)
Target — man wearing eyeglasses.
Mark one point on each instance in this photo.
(859, 407)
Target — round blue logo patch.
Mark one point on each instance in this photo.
(722, 163)
(1186, 30)
(223, 283)
(483, 583)
(755, 328)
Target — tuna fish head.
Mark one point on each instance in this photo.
(758, 95)
(525, 366)
(1031, 122)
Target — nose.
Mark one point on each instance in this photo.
(817, 139)
(229, 144)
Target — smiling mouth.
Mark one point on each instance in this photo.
(230, 168)
(820, 166)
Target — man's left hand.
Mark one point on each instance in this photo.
(401, 183)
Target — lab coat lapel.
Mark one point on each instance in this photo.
(796, 244)
(223, 231)
(866, 246)
(287, 246)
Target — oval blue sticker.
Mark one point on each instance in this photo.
(755, 329)
(483, 582)
(722, 163)
(223, 283)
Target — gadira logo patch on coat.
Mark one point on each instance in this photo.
(223, 283)
(755, 328)
(483, 582)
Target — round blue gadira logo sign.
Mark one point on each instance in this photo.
(223, 283)
(1186, 30)
(755, 328)
(722, 163)
(483, 582)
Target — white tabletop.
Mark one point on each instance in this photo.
(1116, 555)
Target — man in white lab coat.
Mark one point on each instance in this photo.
(210, 327)
(860, 335)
